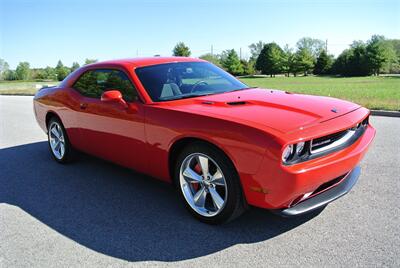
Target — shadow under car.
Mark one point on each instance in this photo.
(118, 212)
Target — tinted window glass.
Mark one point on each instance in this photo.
(186, 79)
(94, 83)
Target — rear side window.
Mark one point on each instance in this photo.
(94, 82)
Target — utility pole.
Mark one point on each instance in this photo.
(212, 51)
(326, 46)
(240, 53)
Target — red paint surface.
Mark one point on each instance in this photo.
(140, 134)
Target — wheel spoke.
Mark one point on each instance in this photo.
(200, 197)
(203, 162)
(217, 178)
(55, 132)
(191, 176)
(62, 150)
(216, 198)
(52, 142)
(188, 192)
(56, 145)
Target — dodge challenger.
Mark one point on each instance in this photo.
(224, 145)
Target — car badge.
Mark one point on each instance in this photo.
(334, 110)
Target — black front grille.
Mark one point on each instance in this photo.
(328, 184)
(327, 140)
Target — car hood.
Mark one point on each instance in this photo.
(273, 109)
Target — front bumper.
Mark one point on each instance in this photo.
(279, 187)
(324, 198)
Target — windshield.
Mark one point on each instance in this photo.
(180, 80)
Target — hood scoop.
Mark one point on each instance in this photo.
(229, 103)
(236, 103)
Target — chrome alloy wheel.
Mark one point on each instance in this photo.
(57, 141)
(203, 184)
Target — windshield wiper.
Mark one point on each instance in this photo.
(192, 95)
(241, 89)
(186, 96)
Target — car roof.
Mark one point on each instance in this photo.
(140, 62)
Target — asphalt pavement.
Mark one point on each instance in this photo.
(93, 213)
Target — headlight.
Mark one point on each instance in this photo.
(293, 153)
(287, 153)
(300, 148)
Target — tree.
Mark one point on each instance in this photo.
(353, 61)
(23, 71)
(4, 67)
(74, 66)
(393, 64)
(378, 53)
(270, 59)
(314, 46)
(61, 71)
(248, 67)
(181, 50)
(211, 58)
(90, 61)
(36, 73)
(10, 75)
(324, 63)
(341, 63)
(39, 74)
(287, 60)
(255, 50)
(358, 64)
(49, 73)
(231, 62)
(303, 61)
(395, 46)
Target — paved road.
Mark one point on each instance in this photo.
(94, 213)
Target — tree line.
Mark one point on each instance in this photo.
(25, 72)
(310, 56)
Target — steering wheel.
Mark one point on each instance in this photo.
(198, 83)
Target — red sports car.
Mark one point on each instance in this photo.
(223, 144)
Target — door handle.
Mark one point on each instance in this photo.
(83, 106)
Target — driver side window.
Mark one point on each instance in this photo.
(93, 83)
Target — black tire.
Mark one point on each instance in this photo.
(235, 203)
(69, 152)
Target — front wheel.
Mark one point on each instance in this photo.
(209, 184)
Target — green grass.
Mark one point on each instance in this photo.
(379, 93)
(22, 87)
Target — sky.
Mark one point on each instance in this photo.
(44, 31)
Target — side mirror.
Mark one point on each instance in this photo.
(113, 96)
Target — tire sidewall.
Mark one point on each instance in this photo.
(234, 197)
(67, 154)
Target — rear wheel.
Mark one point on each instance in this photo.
(209, 184)
(59, 144)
